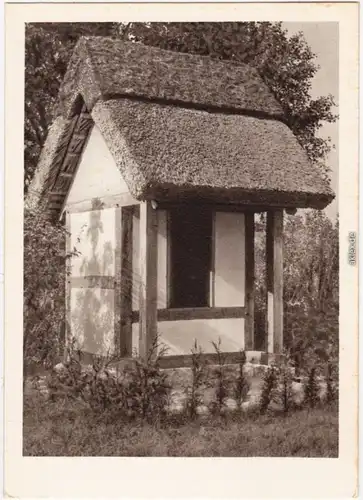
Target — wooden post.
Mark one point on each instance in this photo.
(148, 278)
(249, 281)
(125, 332)
(274, 270)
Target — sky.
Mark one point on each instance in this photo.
(323, 39)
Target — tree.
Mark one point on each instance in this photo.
(311, 287)
(48, 47)
(285, 63)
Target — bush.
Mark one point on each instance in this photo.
(311, 389)
(241, 385)
(141, 391)
(194, 391)
(284, 394)
(268, 392)
(45, 261)
(220, 382)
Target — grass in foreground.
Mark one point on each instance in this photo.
(56, 429)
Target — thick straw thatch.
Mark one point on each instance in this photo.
(179, 127)
(47, 168)
(171, 152)
(102, 67)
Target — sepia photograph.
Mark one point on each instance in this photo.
(181, 239)
(181, 250)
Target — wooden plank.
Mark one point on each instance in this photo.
(274, 277)
(168, 259)
(68, 170)
(195, 313)
(71, 162)
(148, 278)
(225, 207)
(249, 281)
(212, 278)
(120, 200)
(185, 360)
(126, 281)
(106, 282)
(66, 174)
(60, 154)
(179, 361)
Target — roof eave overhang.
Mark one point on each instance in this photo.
(237, 197)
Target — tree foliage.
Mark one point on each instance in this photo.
(45, 259)
(286, 64)
(311, 286)
(48, 47)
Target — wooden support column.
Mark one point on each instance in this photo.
(148, 278)
(274, 270)
(126, 276)
(249, 281)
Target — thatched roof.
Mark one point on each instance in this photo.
(169, 152)
(101, 68)
(179, 127)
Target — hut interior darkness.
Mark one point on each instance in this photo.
(160, 161)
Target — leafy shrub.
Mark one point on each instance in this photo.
(148, 389)
(141, 391)
(311, 389)
(241, 385)
(284, 392)
(331, 383)
(311, 288)
(269, 383)
(45, 259)
(220, 381)
(194, 391)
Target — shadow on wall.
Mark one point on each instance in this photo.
(92, 317)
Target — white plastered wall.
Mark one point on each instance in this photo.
(97, 174)
(93, 235)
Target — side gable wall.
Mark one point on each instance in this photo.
(97, 175)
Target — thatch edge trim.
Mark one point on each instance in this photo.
(56, 133)
(116, 143)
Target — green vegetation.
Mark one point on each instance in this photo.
(55, 429)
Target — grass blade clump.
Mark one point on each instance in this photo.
(221, 382)
(284, 391)
(269, 383)
(194, 391)
(241, 386)
(311, 389)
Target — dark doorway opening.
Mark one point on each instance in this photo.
(190, 257)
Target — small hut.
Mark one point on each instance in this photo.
(159, 162)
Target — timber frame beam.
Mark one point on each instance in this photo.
(148, 278)
(249, 281)
(274, 276)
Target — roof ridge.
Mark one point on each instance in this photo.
(105, 66)
(168, 51)
(196, 107)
